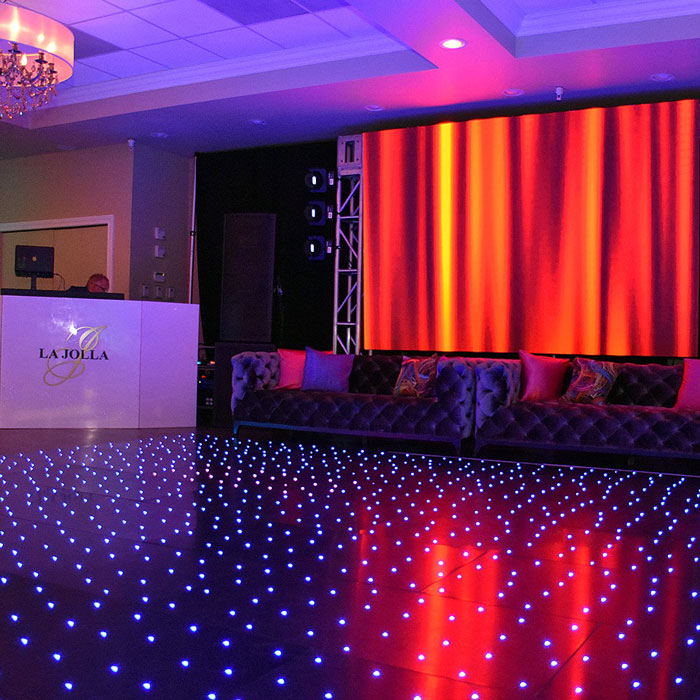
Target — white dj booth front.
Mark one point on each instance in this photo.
(97, 363)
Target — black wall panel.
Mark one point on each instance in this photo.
(269, 180)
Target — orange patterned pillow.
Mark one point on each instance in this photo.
(591, 381)
(417, 377)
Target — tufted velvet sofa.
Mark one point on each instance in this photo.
(369, 408)
(638, 417)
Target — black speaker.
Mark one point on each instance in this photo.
(247, 278)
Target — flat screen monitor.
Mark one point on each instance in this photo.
(34, 261)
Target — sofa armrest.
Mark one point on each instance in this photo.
(252, 371)
(455, 387)
(497, 384)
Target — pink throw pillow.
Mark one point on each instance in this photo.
(689, 393)
(291, 368)
(542, 377)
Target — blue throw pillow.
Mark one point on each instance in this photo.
(324, 372)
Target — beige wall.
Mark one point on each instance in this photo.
(90, 182)
(142, 188)
(78, 253)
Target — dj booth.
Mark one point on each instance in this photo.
(93, 362)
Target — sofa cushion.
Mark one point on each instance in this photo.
(646, 385)
(374, 374)
(324, 372)
(252, 371)
(591, 381)
(571, 425)
(369, 413)
(497, 384)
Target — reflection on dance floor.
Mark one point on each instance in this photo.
(190, 566)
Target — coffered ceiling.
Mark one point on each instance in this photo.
(204, 75)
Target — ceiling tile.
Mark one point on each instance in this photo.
(125, 30)
(186, 17)
(131, 4)
(298, 31)
(235, 43)
(316, 5)
(123, 64)
(177, 54)
(251, 11)
(89, 45)
(528, 6)
(86, 75)
(69, 11)
(348, 22)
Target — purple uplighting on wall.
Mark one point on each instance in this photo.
(185, 566)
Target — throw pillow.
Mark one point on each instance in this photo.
(689, 393)
(542, 377)
(324, 372)
(417, 377)
(591, 381)
(291, 368)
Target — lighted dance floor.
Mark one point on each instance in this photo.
(185, 566)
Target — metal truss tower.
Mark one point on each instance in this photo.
(347, 309)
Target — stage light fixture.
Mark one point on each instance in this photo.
(317, 213)
(317, 180)
(318, 247)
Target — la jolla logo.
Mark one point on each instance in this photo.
(66, 363)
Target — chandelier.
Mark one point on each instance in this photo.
(36, 53)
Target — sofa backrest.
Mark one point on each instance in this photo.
(646, 385)
(374, 374)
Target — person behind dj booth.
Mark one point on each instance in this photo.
(96, 284)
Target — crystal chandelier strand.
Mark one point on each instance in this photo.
(22, 86)
(40, 56)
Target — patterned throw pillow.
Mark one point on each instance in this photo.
(417, 377)
(591, 381)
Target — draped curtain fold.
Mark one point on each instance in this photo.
(570, 232)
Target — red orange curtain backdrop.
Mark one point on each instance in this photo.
(572, 232)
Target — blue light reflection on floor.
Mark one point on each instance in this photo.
(192, 567)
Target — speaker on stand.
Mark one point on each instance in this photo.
(247, 278)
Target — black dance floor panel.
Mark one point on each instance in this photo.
(190, 566)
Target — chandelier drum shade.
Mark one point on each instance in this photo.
(37, 54)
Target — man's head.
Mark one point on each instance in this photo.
(97, 283)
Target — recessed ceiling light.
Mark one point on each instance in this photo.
(257, 122)
(662, 77)
(513, 92)
(374, 108)
(159, 135)
(453, 43)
